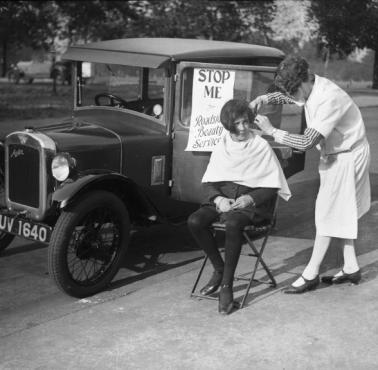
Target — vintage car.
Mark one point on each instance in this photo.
(134, 151)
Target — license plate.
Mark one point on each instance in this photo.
(25, 228)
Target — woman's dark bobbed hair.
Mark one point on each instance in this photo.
(291, 72)
(233, 109)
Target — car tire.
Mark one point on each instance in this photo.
(5, 240)
(89, 243)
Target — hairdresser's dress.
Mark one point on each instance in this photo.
(344, 194)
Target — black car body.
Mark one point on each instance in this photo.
(123, 158)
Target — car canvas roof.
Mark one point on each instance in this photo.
(157, 52)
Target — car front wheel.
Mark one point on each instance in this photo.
(89, 243)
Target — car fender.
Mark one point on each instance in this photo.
(137, 202)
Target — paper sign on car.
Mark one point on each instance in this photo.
(212, 88)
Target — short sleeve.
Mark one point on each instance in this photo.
(329, 113)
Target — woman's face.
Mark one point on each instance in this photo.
(242, 128)
(302, 93)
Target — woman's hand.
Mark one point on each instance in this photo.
(243, 201)
(256, 104)
(264, 124)
(223, 204)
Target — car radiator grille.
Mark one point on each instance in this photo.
(24, 163)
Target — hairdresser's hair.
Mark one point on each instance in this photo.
(291, 72)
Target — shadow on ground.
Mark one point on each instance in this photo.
(160, 248)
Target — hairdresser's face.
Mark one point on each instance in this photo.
(302, 93)
(242, 129)
(299, 96)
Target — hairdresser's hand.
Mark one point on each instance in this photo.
(243, 201)
(264, 124)
(258, 103)
(223, 204)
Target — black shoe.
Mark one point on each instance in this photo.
(226, 300)
(353, 278)
(213, 284)
(307, 286)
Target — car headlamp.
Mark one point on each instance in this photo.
(157, 110)
(61, 166)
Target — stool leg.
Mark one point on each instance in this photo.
(258, 260)
(252, 275)
(199, 275)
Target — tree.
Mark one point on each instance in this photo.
(41, 23)
(208, 19)
(349, 24)
(95, 20)
(257, 17)
(26, 23)
(291, 25)
(217, 20)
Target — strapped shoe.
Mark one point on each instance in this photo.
(213, 284)
(226, 300)
(307, 286)
(353, 278)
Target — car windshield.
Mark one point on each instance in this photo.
(133, 88)
(122, 81)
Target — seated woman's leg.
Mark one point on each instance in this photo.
(198, 223)
(235, 223)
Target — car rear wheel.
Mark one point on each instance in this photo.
(5, 240)
(89, 243)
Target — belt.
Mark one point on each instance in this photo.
(354, 146)
(342, 151)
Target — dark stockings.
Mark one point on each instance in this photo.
(199, 223)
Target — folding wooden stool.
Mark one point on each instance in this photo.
(251, 233)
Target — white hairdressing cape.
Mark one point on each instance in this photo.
(251, 163)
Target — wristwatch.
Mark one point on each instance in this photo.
(273, 132)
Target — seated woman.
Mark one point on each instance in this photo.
(240, 185)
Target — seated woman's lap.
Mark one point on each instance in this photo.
(235, 221)
(206, 215)
(203, 217)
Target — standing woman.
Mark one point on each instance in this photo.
(334, 122)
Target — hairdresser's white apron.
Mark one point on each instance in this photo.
(344, 193)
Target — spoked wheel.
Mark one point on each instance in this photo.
(5, 240)
(88, 244)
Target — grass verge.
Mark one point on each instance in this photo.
(36, 100)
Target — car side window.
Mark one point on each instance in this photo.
(245, 85)
(156, 80)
